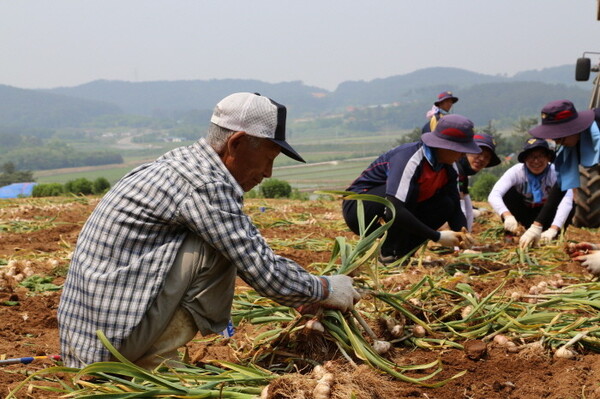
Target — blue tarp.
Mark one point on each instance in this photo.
(17, 190)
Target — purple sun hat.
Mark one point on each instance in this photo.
(561, 119)
(485, 140)
(453, 132)
(444, 96)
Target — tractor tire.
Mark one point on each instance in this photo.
(587, 198)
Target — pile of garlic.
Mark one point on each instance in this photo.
(14, 272)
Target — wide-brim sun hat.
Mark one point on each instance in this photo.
(444, 96)
(256, 115)
(561, 119)
(533, 144)
(452, 132)
(485, 140)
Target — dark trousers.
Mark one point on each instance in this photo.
(401, 239)
(526, 214)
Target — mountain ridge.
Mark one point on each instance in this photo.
(77, 105)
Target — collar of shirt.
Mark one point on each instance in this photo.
(205, 150)
(430, 157)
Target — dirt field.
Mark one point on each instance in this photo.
(37, 236)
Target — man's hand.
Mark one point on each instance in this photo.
(548, 235)
(511, 224)
(591, 261)
(342, 294)
(531, 237)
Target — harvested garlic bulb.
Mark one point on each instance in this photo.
(565, 353)
(381, 347)
(314, 325)
(419, 331)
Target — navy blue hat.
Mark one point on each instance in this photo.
(485, 140)
(533, 144)
(561, 119)
(452, 132)
(444, 96)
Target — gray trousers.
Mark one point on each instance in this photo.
(196, 296)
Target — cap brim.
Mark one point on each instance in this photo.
(583, 121)
(431, 140)
(523, 154)
(287, 149)
(454, 100)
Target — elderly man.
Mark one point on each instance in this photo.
(156, 261)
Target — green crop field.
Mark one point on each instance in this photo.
(331, 163)
(334, 175)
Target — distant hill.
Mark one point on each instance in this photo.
(35, 109)
(561, 74)
(503, 102)
(483, 97)
(166, 98)
(170, 98)
(423, 84)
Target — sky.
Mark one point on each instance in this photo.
(64, 43)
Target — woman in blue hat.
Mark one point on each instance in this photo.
(419, 179)
(578, 135)
(519, 195)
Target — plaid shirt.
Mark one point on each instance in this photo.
(130, 241)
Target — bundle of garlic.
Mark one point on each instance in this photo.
(15, 272)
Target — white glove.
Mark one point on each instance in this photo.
(511, 224)
(548, 235)
(531, 237)
(449, 238)
(342, 294)
(591, 261)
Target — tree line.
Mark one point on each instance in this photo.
(55, 154)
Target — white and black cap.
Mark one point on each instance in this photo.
(256, 115)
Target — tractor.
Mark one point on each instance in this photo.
(587, 196)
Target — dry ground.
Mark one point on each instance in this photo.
(41, 234)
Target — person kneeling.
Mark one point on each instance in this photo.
(418, 178)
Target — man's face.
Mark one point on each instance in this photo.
(481, 160)
(249, 159)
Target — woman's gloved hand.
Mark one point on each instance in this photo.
(511, 224)
(591, 261)
(548, 235)
(531, 237)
